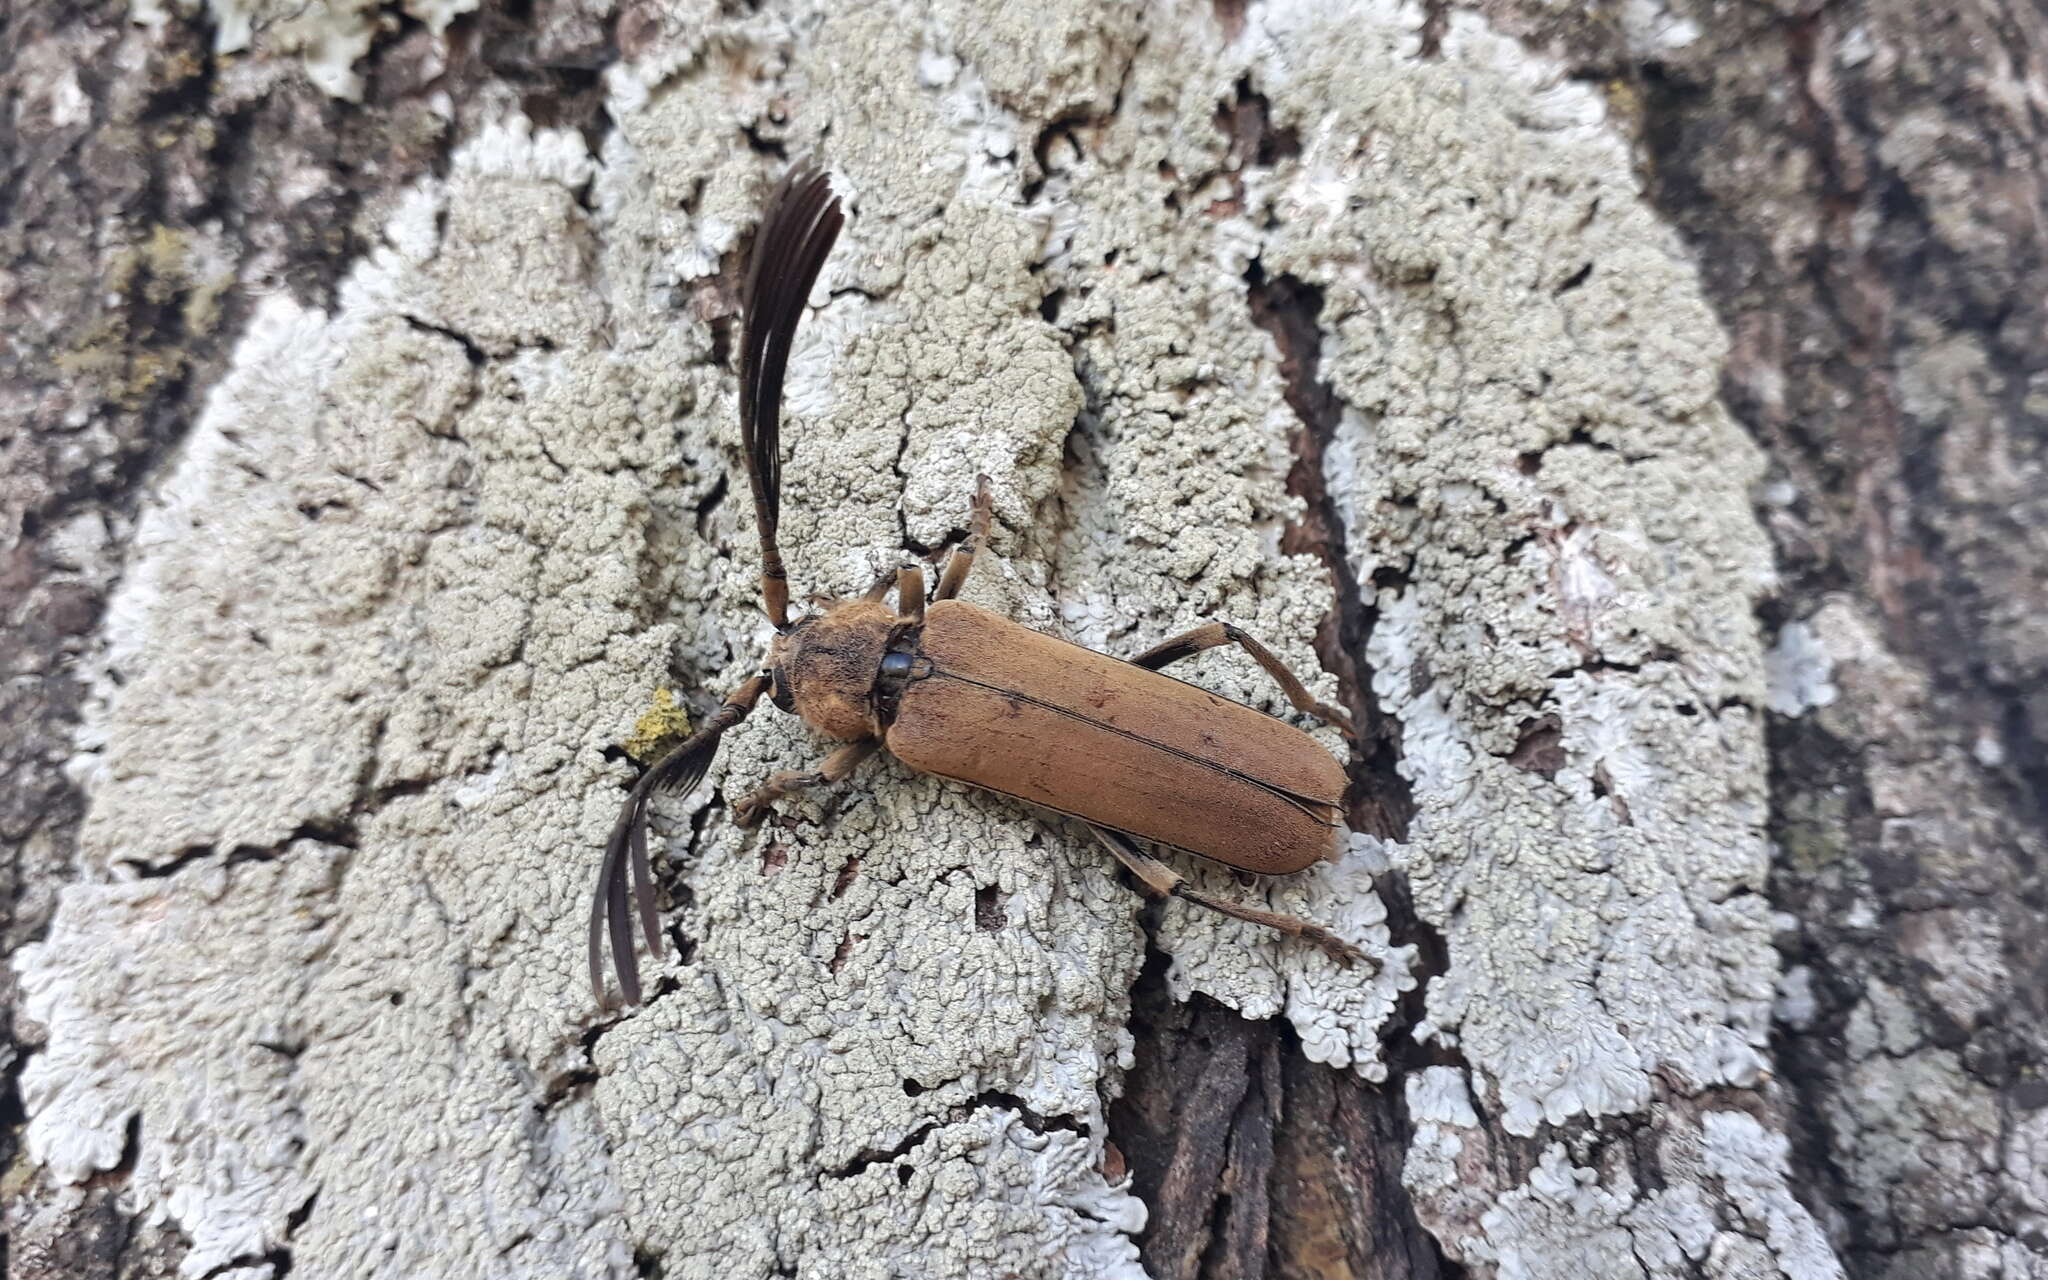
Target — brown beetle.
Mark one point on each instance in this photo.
(957, 691)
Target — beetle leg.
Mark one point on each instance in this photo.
(749, 809)
(910, 594)
(1168, 883)
(1211, 634)
(962, 558)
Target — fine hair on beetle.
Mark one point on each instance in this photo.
(954, 690)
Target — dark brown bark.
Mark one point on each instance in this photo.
(1892, 364)
(1255, 1161)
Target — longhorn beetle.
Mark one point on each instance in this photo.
(954, 690)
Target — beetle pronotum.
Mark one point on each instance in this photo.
(957, 691)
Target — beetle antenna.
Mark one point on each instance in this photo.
(677, 772)
(797, 230)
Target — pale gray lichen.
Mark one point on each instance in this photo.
(1446, 1138)
(1539, 563)
(1597, 1222)
(1533, 449)
(120, 1032)
(368, 606)
(1918, 1135)
(1567, 900)
(1797, 671)
(1753, 1165)
(1176, 508)
(1569, 1218)
(418, 565)
(424, 559)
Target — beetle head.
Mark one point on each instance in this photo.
(824, 667)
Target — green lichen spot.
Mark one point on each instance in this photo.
(1813, 828)
(658, 730)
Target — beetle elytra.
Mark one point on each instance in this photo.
(954, 690)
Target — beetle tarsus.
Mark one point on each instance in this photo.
(1165, 882)
(962, 559)
(1293, 926)
(749, 810)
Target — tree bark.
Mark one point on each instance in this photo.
(370, 465)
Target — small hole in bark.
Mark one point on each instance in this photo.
(297, 1218)
(1248, 123)
(395, 999)
(912, 1088)
(1049, 306)
(1686, 709)
(1541, 748)
(988, 910)
(1575, 279)
(710, 504)
(902, 1175)
(1530, 463)
(1603, 789)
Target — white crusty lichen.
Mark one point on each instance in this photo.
(417, 568)
(1533, 466)
(424, 559)
(1539, 459)
(1176, 502)
(371, 616)
(1724, 1210)
(119, 1031)
(1797, 672)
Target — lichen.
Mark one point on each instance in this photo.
(1540, 478)
(658, 730)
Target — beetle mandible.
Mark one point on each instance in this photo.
(954, 690)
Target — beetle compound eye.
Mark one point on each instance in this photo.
(778, 692)
(898, 665)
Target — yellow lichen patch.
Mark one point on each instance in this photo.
(202, 309)
(126, 350)
(167, 257)
(658, 729)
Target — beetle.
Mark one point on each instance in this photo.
(954, 690)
